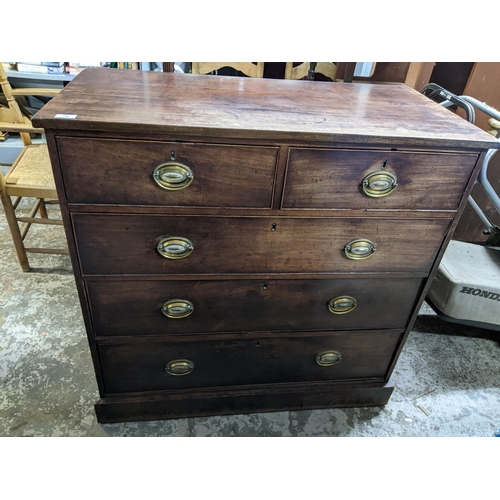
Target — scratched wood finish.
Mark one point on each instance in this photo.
(113, 244)
(134, 308)
(332, 179)
(121, 172)
(257, 352)
(231, 362)
(112, 100)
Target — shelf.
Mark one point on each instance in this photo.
(21, 75)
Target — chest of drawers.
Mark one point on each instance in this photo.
(246, 245)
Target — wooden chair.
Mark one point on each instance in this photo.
(30, 176)
(301, 71)
(247, 68)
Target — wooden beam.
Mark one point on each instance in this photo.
(51, 251)
(40, 220)
(419, 74)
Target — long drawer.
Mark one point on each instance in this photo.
(339, 179)
(160, 365)
(106, 171)
(121, 244)
(179, 307)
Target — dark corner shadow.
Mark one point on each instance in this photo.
(440, 326)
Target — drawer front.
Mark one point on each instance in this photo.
(324, 178)
(179, 307)
(105, 171)
(122, 244)
(137, 367)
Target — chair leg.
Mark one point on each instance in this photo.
(10, 215)
(43, 210)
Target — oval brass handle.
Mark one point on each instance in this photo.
(175, 247)
(342, 305)
(177, 308)
(328, 358)
(173, 176)
(360, 249)
(179, 367)
(378, 184)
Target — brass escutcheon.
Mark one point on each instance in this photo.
(177, 308)
(342, 305)
(179, 367)
(360, 249)
(173, 176)
(379, 184)
(175, 247)
(328, 358)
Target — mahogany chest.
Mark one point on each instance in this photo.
(246, 245)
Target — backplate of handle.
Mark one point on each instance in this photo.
(328, 358)
(173, 176)
(178, 367)
(359, 249)
(342, 305)
(379, 184)
(175, 247)
(177, 308)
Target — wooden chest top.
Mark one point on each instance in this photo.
(111, 100)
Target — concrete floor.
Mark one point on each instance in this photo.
(47, 383)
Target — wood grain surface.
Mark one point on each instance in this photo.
(103, 99)
(113, 244)
(275, 199)
(133, 367)
(121, 308)
(121, 172)
(322, 178)
(237, 400)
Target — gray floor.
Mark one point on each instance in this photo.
(48, 386)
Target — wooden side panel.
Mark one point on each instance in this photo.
(482, 85)
(70, 237)
(470, 228)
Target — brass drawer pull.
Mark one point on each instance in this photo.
(360, 249)
(175, 247)
(328, 358)
(378, 184)
(173, 176)
(342, 305)
(179, 367)
(177, 308)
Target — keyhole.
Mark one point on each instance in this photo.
(172, 155)
(384, 164)
(265, 286)
(273, 228)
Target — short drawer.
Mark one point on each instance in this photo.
(122, 244)
(160, 365)
(345, 179)
(106, 171)
(184, 307)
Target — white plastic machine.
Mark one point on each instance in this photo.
(466, 288)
